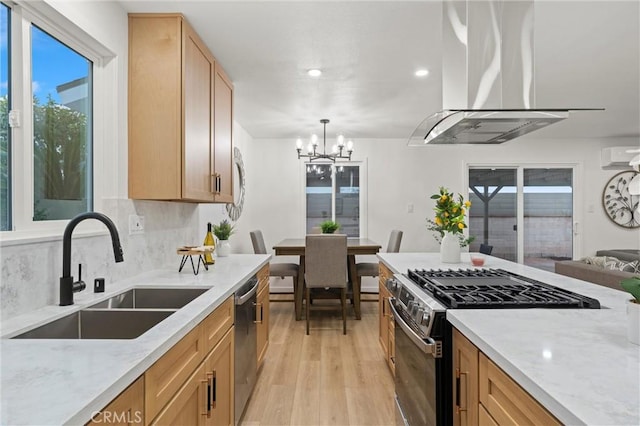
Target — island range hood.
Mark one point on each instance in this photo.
(488, 81)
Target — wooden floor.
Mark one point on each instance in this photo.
(325, 378)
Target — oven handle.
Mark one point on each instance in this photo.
(427, 346)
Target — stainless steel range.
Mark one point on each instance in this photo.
(423, 347)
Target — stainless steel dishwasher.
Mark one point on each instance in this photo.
(246, 357)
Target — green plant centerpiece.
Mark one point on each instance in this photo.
(329, 226)
(223, 230)
(632, 285)
(449, 216)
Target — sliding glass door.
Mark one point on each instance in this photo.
(525, 213)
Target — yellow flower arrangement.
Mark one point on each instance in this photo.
(450, 216)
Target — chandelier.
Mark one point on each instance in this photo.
(337, 151)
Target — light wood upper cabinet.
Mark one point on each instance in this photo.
(180, 114)
(223, 136)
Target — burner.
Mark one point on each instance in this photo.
(495, 288)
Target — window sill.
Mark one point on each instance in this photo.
(16, 238)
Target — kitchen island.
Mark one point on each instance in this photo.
(577, 363)
(48, 381)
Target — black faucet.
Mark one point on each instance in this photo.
(67, 285)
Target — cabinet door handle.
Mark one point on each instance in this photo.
(261, 318)
(207, 392)
(219, 182)
(460, 390)
(213, 389)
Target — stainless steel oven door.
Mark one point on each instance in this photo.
(415, 379)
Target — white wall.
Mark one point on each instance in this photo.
(399, 175)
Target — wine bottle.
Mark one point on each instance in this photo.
(209, 242)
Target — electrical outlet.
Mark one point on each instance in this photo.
(136, 224)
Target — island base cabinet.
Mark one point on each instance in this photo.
(505, 401)
(126, 409)
(485, 395)
(207, 396)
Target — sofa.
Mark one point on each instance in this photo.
(607, 268)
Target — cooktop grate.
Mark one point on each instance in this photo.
(495, 288)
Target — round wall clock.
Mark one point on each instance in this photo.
(620, 206)
(235, 209)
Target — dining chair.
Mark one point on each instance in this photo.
(325, 265)
(370, 269)
(485, 249)
(275, 269)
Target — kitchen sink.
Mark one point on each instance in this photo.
(151, 298)
(99, 324)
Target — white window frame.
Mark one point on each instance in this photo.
(364, 214)
(22, 15)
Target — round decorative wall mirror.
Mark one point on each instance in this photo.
(235, 209)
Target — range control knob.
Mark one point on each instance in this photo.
(412, 306)
(424, 319)
(419, 313)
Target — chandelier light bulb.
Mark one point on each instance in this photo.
(350, 146)
(299, 143)
(310, 149)
(314, 139)
(340, 140)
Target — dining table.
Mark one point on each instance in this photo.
(355, 246)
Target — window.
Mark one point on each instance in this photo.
(334, 192)
(5, 145)
(47, 140)
(61, 92)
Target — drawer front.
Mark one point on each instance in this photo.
(384, 273)
(217, 323)
(164, 378)
(506, 402)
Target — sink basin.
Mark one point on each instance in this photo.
(99, 324)
(151, 298)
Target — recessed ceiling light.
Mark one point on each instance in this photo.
(422, 73)
(314, 73)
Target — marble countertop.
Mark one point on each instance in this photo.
(577, 363)
(46, 382)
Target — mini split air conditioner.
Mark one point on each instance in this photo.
(617, 157)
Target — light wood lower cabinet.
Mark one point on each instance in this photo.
(465, 381)
(484, 394)
(385, 317)
(178, 384)
(126, 409)
(262, 313)
(207, 396)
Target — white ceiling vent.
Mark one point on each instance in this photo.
(617, 157)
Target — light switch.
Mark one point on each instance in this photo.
(136, 224)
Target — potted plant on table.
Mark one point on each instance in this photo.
(632, 285)
(223, 231)
(329, 227)
(449, 224)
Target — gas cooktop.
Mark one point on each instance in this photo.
(486, 288)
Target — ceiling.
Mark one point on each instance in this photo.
(370, 50)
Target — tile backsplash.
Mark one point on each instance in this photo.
(30, 272)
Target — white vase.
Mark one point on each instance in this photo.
(633, 322)
(223, 248)
(450, 248)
